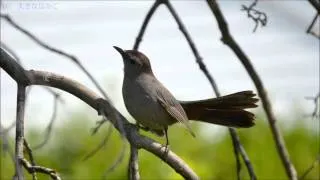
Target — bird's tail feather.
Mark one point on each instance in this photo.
(225, 110)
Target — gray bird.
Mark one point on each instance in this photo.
(155, 108)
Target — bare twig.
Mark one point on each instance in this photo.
(72, 58)
(118, 160)
(29, 152)
(133, 167)
(32, 77)
(50, 125)
(236, 144)
(195, 51)
(10, 51)
(56, 95)
(257, 16)
(316, 110)
(30, 168)
(235, 139)
(145, 24)
(228, 40)
(309, 29)
(238, 147)
(98, 126)
(55, 50)
(102, 144)
(21, 95)
(315, 4)
(315, 162)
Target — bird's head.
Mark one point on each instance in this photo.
(135, 62)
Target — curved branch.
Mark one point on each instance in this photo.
(228, 40)
(315, 4)
(55, 50)
(238, 148)
(50, 125)
(117, 161)
(145, 24)
(101, 105)
(102, 144)
(195, 51)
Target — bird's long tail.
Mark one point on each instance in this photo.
(225, 110)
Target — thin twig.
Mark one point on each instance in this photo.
(195, 51)
(98, 126)
(145, 24)
(315, 4)
(17, 73)
(56, 96)
(309, 29)
(50, 125)
(257, 16)
(236, 143)
(44, 170)
(57, 51)
(117, 161)
(228, 40)
(73, 59)
(101, 145)
(316, 110)
(10, 51)
(29, 152)
(309, 169)
(235, 139)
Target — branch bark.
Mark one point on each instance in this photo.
(103, 106)
(21, 95)
(133, 167)
(238, 148)
(315, 4)
(229, 41)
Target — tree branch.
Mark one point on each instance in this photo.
(21, 95)
(133, 167)
(238, 148)
(101, 105)
(145, 24)
(315, 4)
(235, 139)
(195, 51)
(309, 29)
(228, 40)
(102, 144)
(256, 15)
(309, 169)
(30, 168)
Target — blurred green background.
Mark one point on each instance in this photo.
(210, 156)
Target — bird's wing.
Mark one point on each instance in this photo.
(173, 107)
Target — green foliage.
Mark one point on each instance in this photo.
(210, 158)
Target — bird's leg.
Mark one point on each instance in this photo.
(167, 140)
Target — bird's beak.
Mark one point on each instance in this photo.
(121, 51)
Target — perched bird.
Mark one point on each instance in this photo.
(155, 108)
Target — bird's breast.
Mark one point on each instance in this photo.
(141, 102)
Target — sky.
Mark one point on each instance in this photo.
(285, 57)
